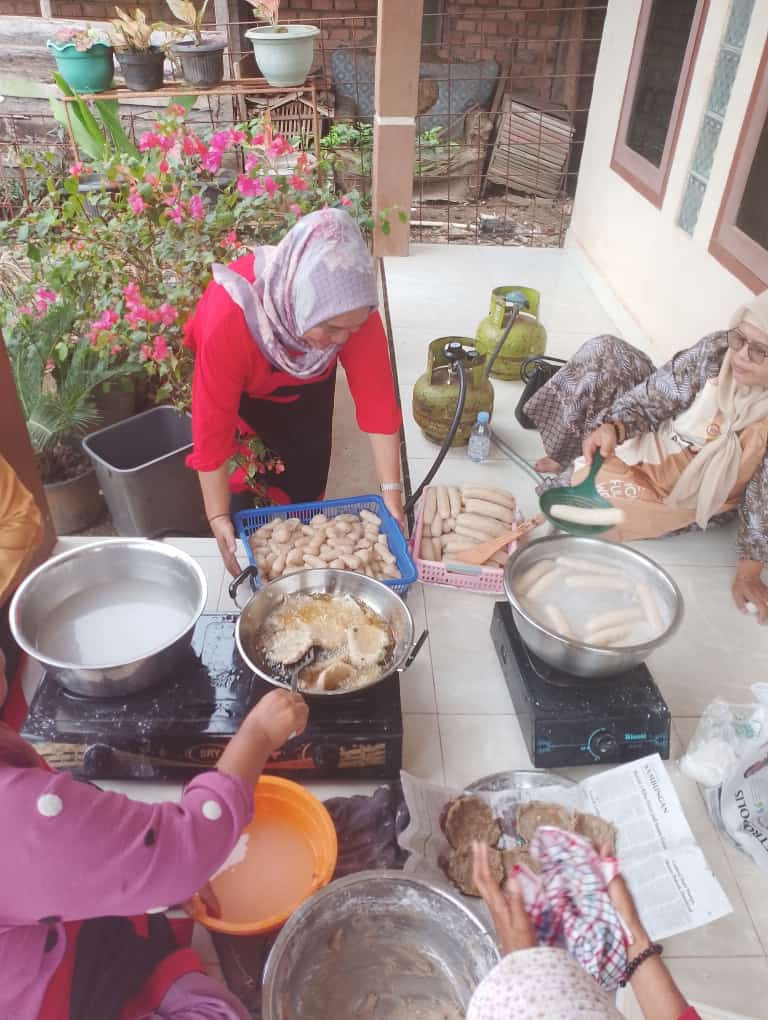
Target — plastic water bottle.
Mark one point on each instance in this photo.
(480, 439)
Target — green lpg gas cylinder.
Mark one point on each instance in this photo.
(436, 392)
(526, 338)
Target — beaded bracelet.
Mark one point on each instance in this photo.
(655, 949)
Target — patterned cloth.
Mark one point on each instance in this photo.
(609, 380)
(540, 984)
(320, 269)
(569, 905)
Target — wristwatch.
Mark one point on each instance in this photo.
(391, 487)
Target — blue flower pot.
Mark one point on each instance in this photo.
(84, 70)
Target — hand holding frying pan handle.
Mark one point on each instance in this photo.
(250, 574)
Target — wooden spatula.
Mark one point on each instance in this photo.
(478, 554)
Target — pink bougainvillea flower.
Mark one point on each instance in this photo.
(145, 353)
(149, 140)
(279, 467)
(45, 296)
(270, 186)
(160, 348)
(76, 169)
(230, 238)
(298, 183)
(177, 110)
(163, 166)
(252, 161)
(136, 202)
(196, 208)
(257, 139)
(167, 314)
(279, 146)
(248, 187)
(152, 180)
(220, 140)
(176, 213)
(191, 145)
(132, 294)
(212, 160)
(346, 200)
(115, 349)
(295, 209)
(49, 365)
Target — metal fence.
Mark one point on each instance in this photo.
(502, 108)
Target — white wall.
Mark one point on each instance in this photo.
(667, 280)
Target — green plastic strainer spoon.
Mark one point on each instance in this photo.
(584, 495)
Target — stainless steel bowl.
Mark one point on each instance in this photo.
(112, 617)
(377, 596)
(574, 656)
(376, 933)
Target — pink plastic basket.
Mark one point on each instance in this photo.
(482, 579)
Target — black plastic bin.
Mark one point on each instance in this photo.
(140, 467)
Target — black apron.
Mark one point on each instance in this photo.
(294, 422)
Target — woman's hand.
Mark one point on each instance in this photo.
(393, 500)
(513, 925)
(624, 905)
(748, 586)
(224, 532)
(602, 439)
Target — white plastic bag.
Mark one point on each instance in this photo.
(725, 734)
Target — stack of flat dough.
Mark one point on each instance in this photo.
(465, 819)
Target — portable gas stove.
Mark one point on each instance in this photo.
(567, 720)
(180, 728)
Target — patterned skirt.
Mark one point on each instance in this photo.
(574, 401)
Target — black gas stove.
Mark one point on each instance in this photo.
(180, 727)
(569, 721)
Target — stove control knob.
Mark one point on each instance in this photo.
(603, 744)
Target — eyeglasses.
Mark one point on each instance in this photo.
(757, 353)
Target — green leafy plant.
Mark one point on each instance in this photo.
(97, 138)
(189, 15)
(57, 378)
(354, 144)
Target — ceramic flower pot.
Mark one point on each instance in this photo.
(84, 71)
(202, 64)
(143, 70)
(284, 53)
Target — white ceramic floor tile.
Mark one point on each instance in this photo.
(479, 745)
(468, 678)
(716, 651)
(731, 984)
(713, 548)
(213, 569)
(195, 546)
(417, 687)
(422, 751)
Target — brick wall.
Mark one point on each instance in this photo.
(100, 10)
(24, 8)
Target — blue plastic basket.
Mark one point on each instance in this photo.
(248, 521)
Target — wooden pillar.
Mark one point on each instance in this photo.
(17, 450)
(398, 51)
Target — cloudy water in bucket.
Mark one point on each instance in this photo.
(113, 623)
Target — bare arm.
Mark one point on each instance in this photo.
(386, 458)
(215, 488)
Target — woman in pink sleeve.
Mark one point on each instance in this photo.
(85, 876)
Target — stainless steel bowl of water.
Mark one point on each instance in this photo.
(110, 618)
(377, 943)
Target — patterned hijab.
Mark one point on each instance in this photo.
(319, 270)
(538, 983)
(708, 479)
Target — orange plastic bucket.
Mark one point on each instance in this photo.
(287, 853)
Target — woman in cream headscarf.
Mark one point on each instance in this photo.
(683, 444)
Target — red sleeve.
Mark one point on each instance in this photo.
(365, 357)
(689, 1014)
(227, 363)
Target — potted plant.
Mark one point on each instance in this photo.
(84, 58)
(284, 53)
(57, 381)
(202, 59)
(140, 61)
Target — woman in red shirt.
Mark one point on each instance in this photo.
(267, 335)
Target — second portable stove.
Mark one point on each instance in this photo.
(181, 726)
(567, 720)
